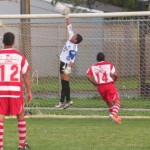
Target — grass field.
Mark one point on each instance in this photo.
(81, 134)
(90, 103)
(89, 107)
(84, 133)
(80, 84)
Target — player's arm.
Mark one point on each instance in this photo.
(69, 28)
(114, 76)
(68, 21)
(71, 64)
(28, 86)
(90, 78)
(113, 73)
(72, 54)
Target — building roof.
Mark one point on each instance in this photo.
(36, 7)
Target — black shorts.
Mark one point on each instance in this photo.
(62, 66)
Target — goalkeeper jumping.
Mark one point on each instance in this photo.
(67, 58)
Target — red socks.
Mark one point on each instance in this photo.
(22, 132)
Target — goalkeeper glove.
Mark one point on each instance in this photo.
(67, 71)
(53, 2)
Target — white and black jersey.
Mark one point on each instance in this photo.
(69, 50)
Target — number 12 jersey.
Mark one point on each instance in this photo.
(12, 65)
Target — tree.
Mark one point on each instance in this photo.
(131, 5)
(127, 4)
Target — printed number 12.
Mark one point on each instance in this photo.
(12, 76)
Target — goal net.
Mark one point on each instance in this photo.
(123, 37)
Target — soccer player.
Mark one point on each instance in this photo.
(67, 58)
(103, 75)
(13, 66)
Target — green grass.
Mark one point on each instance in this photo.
(46, 107)
(53, 85)
(81, 134)
(128, 83)
(90, 103)
(70, 112)
(81, 84)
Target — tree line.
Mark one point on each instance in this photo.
(130, 5)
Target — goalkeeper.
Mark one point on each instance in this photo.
(67, 58)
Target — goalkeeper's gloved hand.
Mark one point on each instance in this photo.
(53, 2)
(67, 71)
(66, 14)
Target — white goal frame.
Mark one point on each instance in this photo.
(76, 15)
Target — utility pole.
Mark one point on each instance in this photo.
(25, 30)
(144, 29)
(25, 7)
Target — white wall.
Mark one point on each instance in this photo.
(36, 7)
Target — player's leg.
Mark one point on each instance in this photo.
(22, 132)
(68, 91)
(69, 102)
(114, 107)
(110, 96)
(113, 97)
(110, 106)
(65, 88)
(17, 109)
(4, 110)
(2, 118)
(68, 98)
(65, 91)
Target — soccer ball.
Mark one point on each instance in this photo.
(63, 9)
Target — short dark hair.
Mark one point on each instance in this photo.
(100, 57)
(8, 38)
(79, 38)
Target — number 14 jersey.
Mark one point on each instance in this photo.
(101, 71)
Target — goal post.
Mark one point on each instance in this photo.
(124, 37)
(78, 15)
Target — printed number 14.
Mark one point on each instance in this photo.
(104, 77)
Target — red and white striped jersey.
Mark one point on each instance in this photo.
(101, 71)
(12, 65)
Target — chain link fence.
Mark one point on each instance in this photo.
(125, 40)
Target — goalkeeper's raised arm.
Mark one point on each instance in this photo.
(68, 21)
